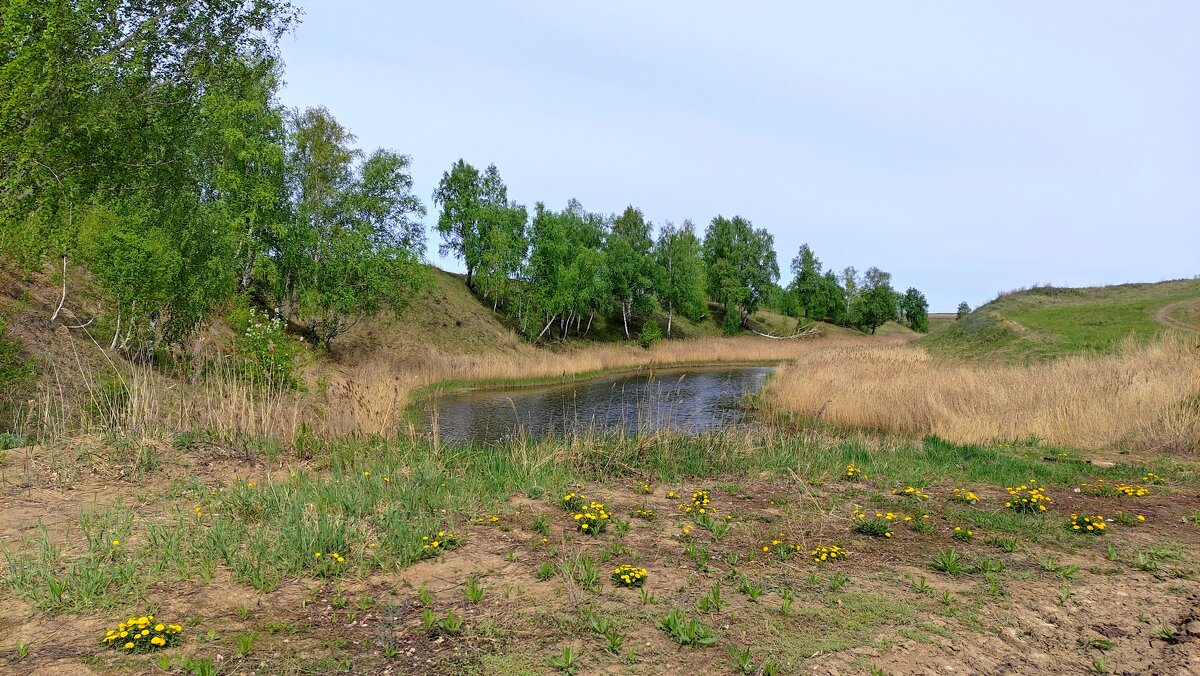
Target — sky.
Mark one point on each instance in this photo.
(967, 148)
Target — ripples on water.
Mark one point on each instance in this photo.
(682, 400)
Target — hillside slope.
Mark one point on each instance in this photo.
(1050, 322)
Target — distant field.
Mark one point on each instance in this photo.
(941, 320)
(1052, 322)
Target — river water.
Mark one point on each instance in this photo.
(686, 400)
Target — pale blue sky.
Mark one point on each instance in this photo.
(967, 148)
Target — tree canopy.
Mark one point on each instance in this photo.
(741, 265)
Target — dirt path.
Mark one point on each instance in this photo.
(1164, 315)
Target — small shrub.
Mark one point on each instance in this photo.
(962, 534)
(267, 355)
(650, 334)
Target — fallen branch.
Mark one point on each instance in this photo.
(810, 332)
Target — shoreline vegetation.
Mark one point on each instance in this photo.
(1139, 396)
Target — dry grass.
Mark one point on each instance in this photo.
(1145, 397)
(1137, 396)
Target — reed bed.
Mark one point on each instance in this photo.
(1141, 396)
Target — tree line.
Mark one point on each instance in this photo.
(554, 272)
(143, 141)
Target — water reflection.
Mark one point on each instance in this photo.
(690, 400)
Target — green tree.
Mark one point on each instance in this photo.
(827, 302)
(114, 105)
(876, 302)
(741, 264)
(915, 310)
(353, 244)
(850, 285)
(963, 310)
(806, 279)
(565, 280)
(482, 228)
(630, 268)
(682, 286)
(459, 194)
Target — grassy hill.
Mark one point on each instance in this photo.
(1049, 322)
(449, 316)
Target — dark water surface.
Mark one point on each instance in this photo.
(688, 400)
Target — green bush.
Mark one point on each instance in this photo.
(266, 354)
(731, 322)
(651, 334)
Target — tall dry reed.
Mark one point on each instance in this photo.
(1138, 396)
(1142, 396)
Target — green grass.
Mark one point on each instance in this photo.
(378, 499)
(1050, 322)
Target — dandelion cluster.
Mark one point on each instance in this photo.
(827, 553)
(911, 492)
(643, 488)
(672, 495)
(700, 504)
(878, 525)
(626, 575)
(142, 634)
(433, 545)
(1152, 478)
(1028, 497)
(853, 473)
(643, 512)
(489, 520)
(592, 519)
(964, 495)
(572, 502)
(1088, 523)
(333, 557)
(1131, 490)
(962, 534)
(780, 547)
